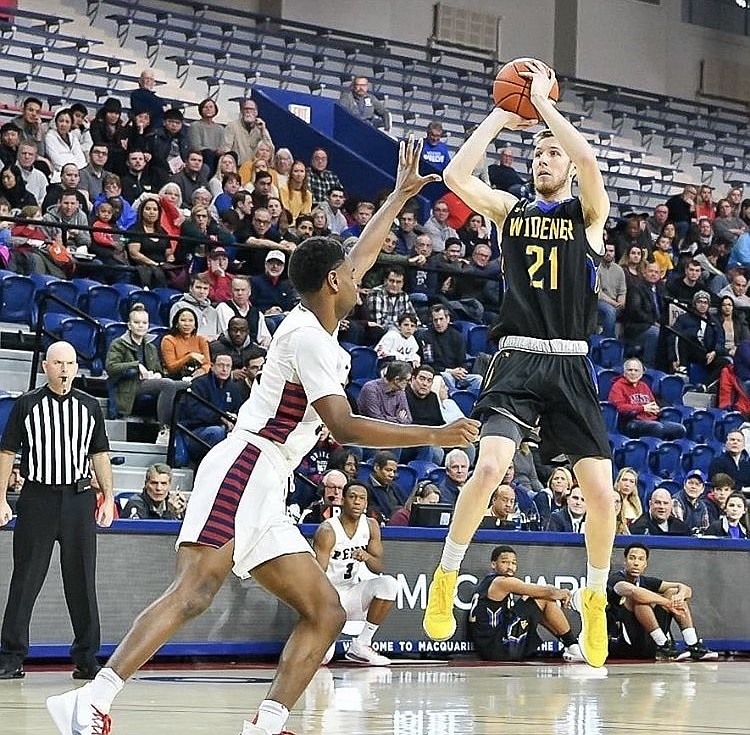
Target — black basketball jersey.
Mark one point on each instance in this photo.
(493, 619)
(549, 273)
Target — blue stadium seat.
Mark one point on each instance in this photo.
(124, 289)
(677, 414)
(422, 468)
(110, 332)
(437, 475)
(609, 414)
(604, 378)
(666, 459)
(65, 291)
(730, 421)
(364, 470)
(633, 453)
(104, 302)
(616, 441)
(84, 286)
(653, 378)
(6, 406)
(121, 499)
(697, 374)
(699, 458)
(406, 479)
(476, 340)
(167, 297)
(646, 485)
(17, 303)
(354, 387)
(465, 400)
(364, 363)
(462, 326)
(671, 388)
(158, 333)
(674, 486)
(86, 339)
(152, 303)
(608, 354)
(273, 321)
(700, 426)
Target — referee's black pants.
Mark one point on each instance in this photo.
(46, 514)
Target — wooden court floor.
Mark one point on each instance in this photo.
(420, 699)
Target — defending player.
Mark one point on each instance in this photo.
(346, 547)
(236, 519)
(540, 378)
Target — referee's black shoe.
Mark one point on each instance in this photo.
(86, 673)
(11, 670)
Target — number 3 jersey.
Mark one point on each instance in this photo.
(549, 272)
(343, 569)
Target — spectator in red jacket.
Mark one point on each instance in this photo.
(637, 409)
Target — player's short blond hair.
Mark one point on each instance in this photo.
(542, 135)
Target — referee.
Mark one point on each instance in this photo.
(56, 429)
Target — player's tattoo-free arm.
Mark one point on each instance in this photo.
(374, 552)
(323, 543)
(676, 588)
(501, 587)
(641, 595)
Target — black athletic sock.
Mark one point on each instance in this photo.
(567, 639)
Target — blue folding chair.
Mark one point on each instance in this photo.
(437, 475)
(406, 479)
(699, 458)
(604, 378)
(465, 400)
(666, 459)
(671, 388)
(700, 426)
(730, 421)
(476, 339)
(364, 363)
(609, 414)
(17, 303)
(104, 302)
(633, 453)
(608, 353)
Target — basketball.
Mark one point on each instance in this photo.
(512, 92)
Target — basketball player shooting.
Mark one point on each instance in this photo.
(540, 378)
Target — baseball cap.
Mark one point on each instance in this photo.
(217, 252)
(696, 473)
(275, 255)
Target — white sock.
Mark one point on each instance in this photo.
(365, 637)
(453, 555)
(659, 637)
(596, 578)
(104, 688)
(272, 716)
(689, 636)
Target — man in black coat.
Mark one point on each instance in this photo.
(659, 521)
(733, 461)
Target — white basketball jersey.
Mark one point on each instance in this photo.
(343, 570)
(304, 363)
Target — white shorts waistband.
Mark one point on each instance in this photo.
(544, 346)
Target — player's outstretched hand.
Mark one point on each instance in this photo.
(542, 78)
(516, 122)
(459, 433)
(5, 513)
(408, 179)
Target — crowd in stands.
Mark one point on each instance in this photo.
(214, 211)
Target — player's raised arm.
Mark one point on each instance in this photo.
(409, 183)
(458, 173)
(591, 184)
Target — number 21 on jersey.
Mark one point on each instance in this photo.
(542, 271)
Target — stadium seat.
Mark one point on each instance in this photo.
(158, 333)
(730, 421)
(65, 291)
(653, 378)
(646, 484)
(674, 486)
(700, 426)
(406, 479)
(666, 459)
(697, 374)
(633, 453)
(124, 289)
(152, 303)
(604, 378)
(86, 340)
(17, 303)
(167, 297)
(476, 340)
(422, 468)
(463, 326)
(465, 400)
(437, 475)
(104, 302)
(678, 414)
(273, 321)
(609, 414)
(84, 286)
(353, 389)
(364, 363)
(6, 405)
(121, 499)
(608, 354)
(699, 458)
(671, 388)
(364, 470)
(110, 332)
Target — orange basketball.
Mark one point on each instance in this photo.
(512, 92)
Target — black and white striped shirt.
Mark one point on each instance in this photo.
(56, 435)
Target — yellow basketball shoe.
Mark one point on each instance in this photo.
(439, 623)
(593, 639)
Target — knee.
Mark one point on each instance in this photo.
(387, 588)
(195, 599)
(489, 471)
(325, 612)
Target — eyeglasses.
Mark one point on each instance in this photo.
(261, 221)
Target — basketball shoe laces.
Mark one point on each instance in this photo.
(101, 724)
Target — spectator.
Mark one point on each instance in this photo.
(10, 137)
(621, 525)
(698, 338)
(407, 232)
(473, 232)
(734, 196)
(135, 135)
(282, 163)
(192, 176)
(434, 151)
(641, 609)
(362, 215)
(456, 475)
(655, 223)
(659, 521)
(690, 505)
(662, 256)
(360, 102)
(273, 294)
(108, 248)
(259, 240)
(737, 291)
(705, 207)
(61, 145)
(332, 206)
(642, 314)
(478, 287)
(70, 178)
(245, 134)
(148, 246)
(735, 522)
(145, 98)
(295, 193)
(399, 344)
(320, 179)
(445, 349)
(424, 493)
(438, 228)
(92, 174)
(13, 188)
(245, 376)
(237, 343)
(204, 235)
(156, 501)
(554, 496)
(30, 123)
(385, 398)
(626, 487)
(329, 504)
(197, 299)
(36, 182)
(734, 325)
(504, 177)
(633, 263)
(419, 281)
(734, 461)
(139, 178)
(612, 291)
(728, 226)
(344, 459)
(383, 494)
(184, 352)
(386, 303)
(219, 278)
(227, 165)
(631, 235)
(524, 469)
(572, 518)
(67, 212)
(206, 135)
(637, 409)
(240, 305)
(502, 511)
(168, 144)
(134, 367)
(263, 189)
(681, 209)
(218, 388)
(112, 189)
(722, 486)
